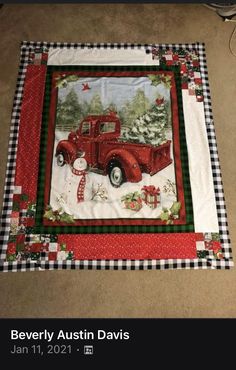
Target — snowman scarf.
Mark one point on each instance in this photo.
(81, 186)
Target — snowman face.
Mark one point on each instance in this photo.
(80, 164)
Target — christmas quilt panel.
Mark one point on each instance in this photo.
(113, 161)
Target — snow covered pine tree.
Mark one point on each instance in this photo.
(149, 128)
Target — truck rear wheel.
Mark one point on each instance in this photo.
(60, 160)
(116, 174)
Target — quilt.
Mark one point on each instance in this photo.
(113, 161)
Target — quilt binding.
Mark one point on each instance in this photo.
(198, 263)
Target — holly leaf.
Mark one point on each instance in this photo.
(175, 208)
(152, 77)
(168, 85)
(49, 215)
(65, 217)
(155, 83)
(127, 197)
(165, 79)
(72, 78)
(168, 78)
(156, 79)
(164, 216)
(63, 82)
(136, 196)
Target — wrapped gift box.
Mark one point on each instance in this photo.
(151, 196)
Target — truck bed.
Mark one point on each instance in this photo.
(150, 159)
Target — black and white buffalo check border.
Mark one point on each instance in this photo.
(199, 263)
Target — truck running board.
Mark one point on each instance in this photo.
(96, 170)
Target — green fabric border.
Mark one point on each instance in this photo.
(70, 229)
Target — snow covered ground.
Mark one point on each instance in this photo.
(111, 208)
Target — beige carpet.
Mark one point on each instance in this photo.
(122, 293)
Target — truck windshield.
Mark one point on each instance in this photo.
(106, 127)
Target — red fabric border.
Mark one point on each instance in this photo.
(27, 162)
(131, 246)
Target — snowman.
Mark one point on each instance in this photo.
(77, 185)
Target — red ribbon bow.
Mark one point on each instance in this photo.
(151, 190)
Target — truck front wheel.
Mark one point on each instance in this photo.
(60, 160)
(116, 174)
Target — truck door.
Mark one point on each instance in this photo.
(86, 142)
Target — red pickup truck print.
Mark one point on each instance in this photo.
(99, 137)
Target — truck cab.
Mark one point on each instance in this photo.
(95, 130)
(92, 130)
